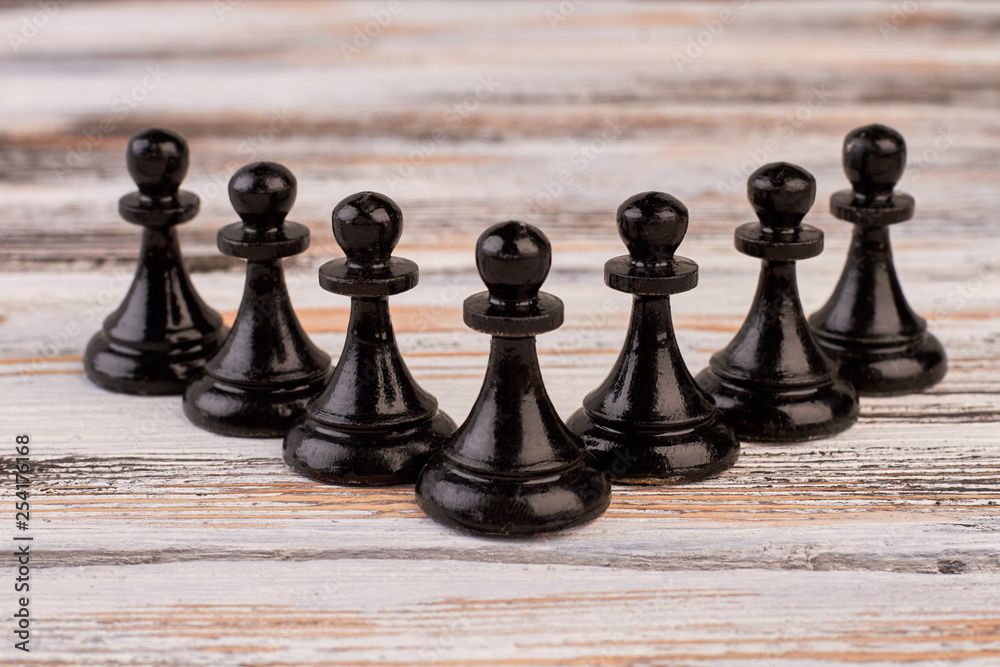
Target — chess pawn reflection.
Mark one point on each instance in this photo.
(882, 346)
(373, 424)
(161, 334)
(649, 421)
(773, 381)
(259, 382)
(513, 468)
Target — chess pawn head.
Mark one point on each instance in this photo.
(157, 159)
(513, 468)
(874, 159)
(652, 226)
(513, 260)
(262, 194)
(367, 227)
(781, 194)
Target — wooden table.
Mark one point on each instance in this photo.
(158, 544)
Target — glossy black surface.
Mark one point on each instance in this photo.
(649, 421)
(867, 326)
(773, 382)
(259, 382)
(513, 468)
(161, 334)
(373, 424)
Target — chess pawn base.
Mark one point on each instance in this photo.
(887, 368)
(489, 504)
(263, 377)
(372, 425)
(867, 327)
(395, 456)
(520, 488)
(687, 453)
(789, 414)
(246, 411)
(649, 422)
(119, 367)
(161, 335)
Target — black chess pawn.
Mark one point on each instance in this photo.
(259, 382)
(773, 381)
(373, 424)
(161, 334)
(882, 346)
(513, 468)
(649, 421)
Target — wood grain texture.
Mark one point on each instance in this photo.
(159, 544)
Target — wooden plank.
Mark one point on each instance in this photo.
(338, 613)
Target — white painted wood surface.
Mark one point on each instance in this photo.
(159, 544)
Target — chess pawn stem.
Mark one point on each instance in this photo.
(513, 392)
(260, 380)
(773, 382)
(867, 326)
(512, 468)
(265, 330)
(160, 336)
(649, 422)
(372, 424)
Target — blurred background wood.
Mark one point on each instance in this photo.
(157, 543)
